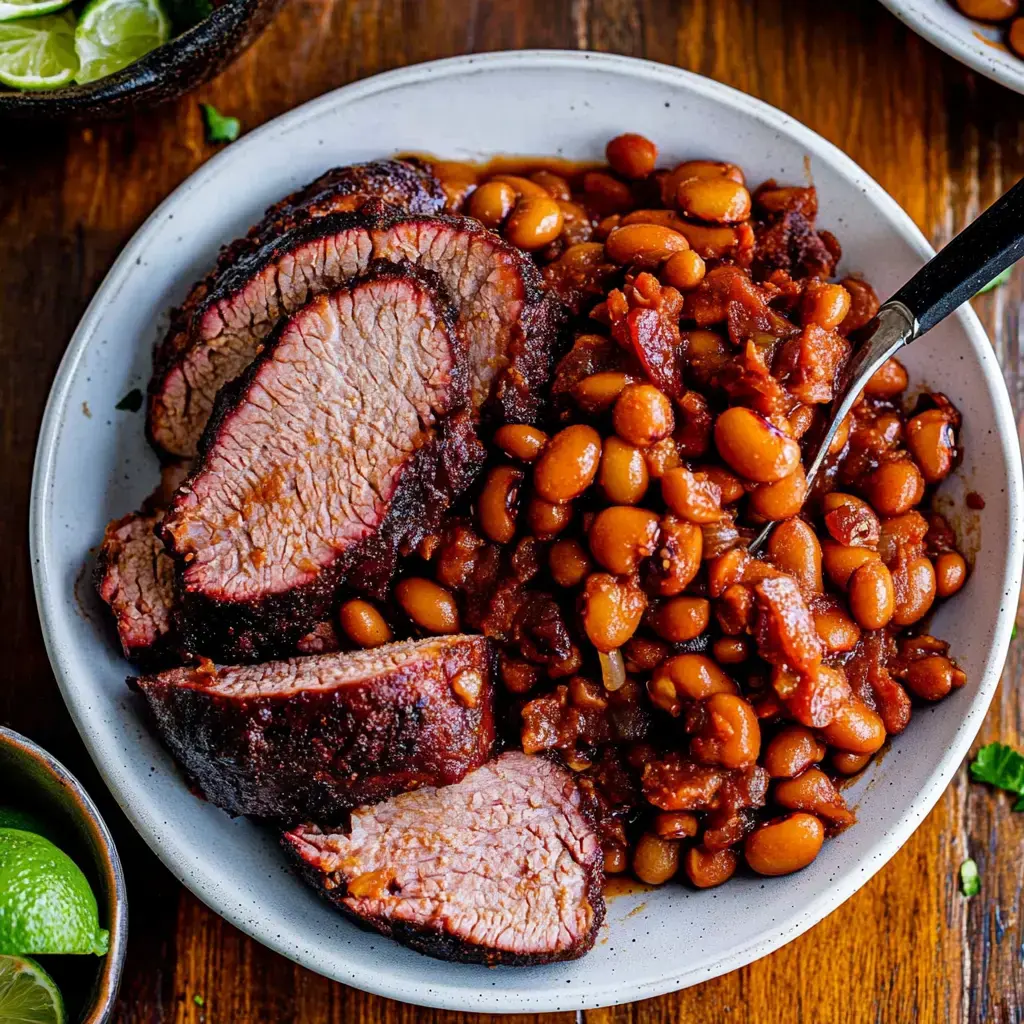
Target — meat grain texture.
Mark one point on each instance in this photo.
(341, 442)
(307, 738)
(501, 868)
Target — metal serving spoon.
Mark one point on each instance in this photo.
(981, 252)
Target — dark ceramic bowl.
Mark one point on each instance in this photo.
(176, 67)
(40, 784)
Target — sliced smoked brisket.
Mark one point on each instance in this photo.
(135, 577)
(501, 868)
(405, 184)
(510, 327)
(345, 439)
(310, 737)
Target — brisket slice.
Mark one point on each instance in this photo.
(345, 439)
(512, 330)
(135, 578)
(403, 183)
(501, 868)
(311, 737)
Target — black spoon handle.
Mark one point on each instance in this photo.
(984, 249)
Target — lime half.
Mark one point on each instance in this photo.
(38, 53)
(46, 905)
(14, 817)
(27, 993)
(10, 10)
(112, 34)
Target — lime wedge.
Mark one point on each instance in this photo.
(112, 34)
(38, 53)
(46, 905)
(27, 993)
(11, 10)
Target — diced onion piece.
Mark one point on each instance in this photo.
(613, 670)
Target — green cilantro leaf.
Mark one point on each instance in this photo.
(132, 402)
(218, 127)
(1001, 766)
(1002, 278)
(970, 880)
(1013, 632)
(200, 1001)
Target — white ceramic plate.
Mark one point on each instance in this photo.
(979, 46)
(94, 465)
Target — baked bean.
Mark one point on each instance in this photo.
(363, 624)
(621, 536)
(950, 573)
(623, 474)
(717, 200)
(684, 270)
(675, 825)
(583, 257)
(600, 390)
(838, 632)
(677, 559)
(872, 598)
(697, 169)
(612, 609)
(800, 420)
(730, 735)
(888, 381)
(695, 677)
(706, 354)
(554, 184)
(681, 618)
(692, 496)
(907, 530)
(793, 547)
(791, 751)
(605, 193)
(642, 415)
(655, 860)
(1015, 36)
(457, 180)
(730, 650)
(498, 504)
(849, 764)
(814, 791)
(786, 845)
(932, 443)
(522, 187)
(519, 441)
(664, 218)
(782, 499)
(431, 607)
(930, 678)
(914, 584)
(708, 868)
(643, 245)
(535, 222)
(711, 242)
(729, 484)
(545, 519)
(855, 728)
(753, 447)
(894, 487)
(662, 456)
(569, 562)
(631, 155)
(568, 465)
(863, 304)
(824, 304)
(841, 562)
(492, 202)
(576, 226)
(989, 10)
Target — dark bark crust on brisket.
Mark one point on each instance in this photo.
(442, 466)
(405, 183)
(380, 722)
(511, 878)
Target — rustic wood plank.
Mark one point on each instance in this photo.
(942, 140)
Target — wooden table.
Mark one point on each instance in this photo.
(942, 140)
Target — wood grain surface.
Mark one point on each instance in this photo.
(942, 140)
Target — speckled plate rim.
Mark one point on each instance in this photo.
(960, 42)
(440, 993)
